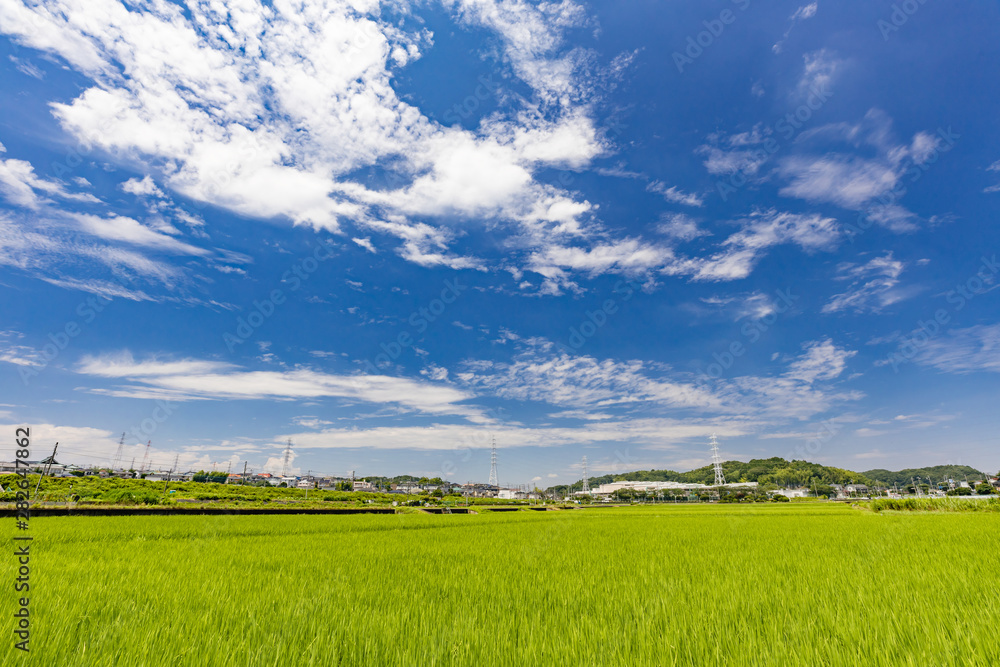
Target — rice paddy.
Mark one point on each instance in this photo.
(810, 584)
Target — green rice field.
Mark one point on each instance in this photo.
(792, 584)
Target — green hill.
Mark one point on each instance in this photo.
(776, 471)
(935, 473)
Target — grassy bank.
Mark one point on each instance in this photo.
(952, 504)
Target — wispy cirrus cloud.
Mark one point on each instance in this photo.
(969, 350)
(196, 379)
(873, 286)
(675, 195)
(854, 181)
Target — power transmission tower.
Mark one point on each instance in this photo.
(720, 479)
(145, 457)
(586, 482)
(494, 481)
(49, 462)
(288, 457)
(177, 458)
(118, 454)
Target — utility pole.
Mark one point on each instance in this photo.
(244, 478)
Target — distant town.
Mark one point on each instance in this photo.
(824, 482)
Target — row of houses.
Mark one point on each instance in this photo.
(257, 479)
(657, 488)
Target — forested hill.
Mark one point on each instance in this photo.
(774, 470)
(934, 473)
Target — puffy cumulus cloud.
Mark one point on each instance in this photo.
(272, 109)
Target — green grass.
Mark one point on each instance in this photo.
(949, 504)
(686, 585)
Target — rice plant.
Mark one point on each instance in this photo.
(666, 585)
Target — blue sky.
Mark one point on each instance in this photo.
(392, 231)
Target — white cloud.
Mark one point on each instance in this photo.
(760, 231)
(193, 379)
(629, 256)
(873, 286)
(819, 70)
(128, 230)
(365, 243)
(822, 360)
(22, 187)
(142, 188)
(801, 14)
(539, 373)
(652, 433)
(17, 354)
(675, 195)
(271, 110)
(993, 188)
(806, 11)
(680, 227)
(855, 182)
(591, 388)
(970, 350)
